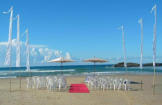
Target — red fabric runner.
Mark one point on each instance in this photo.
(78, 88)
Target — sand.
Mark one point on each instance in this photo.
(136, 96)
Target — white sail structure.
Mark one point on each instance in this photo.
(154, 9)
(27, 51)
(124, 48)
(18, 42)
(9, 46)
(141, 55)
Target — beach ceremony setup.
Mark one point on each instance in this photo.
(80, 52)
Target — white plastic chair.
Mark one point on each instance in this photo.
(125, 82)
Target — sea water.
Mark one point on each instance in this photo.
(14, 72)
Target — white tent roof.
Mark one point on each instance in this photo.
(61, 60)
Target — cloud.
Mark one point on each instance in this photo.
(58, 53)
(33, 52)
(38, 46)
(6, 43)
(68, 56)
(39, 54)
(41, 51)
(3, 43)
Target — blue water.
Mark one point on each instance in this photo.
(73, 70)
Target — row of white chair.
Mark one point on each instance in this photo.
(49, 82)
(105, 83)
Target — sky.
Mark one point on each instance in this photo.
(82, 28)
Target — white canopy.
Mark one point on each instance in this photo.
(61, 60)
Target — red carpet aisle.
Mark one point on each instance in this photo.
(78, 88)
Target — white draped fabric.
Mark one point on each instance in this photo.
(27, 51)
(154, 37)
(18, 43)
(141, 57)
(9, 46)
(124, 48)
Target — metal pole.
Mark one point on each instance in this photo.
(20, 80)
(141, 58)
(124, 48)
(9, 47)
(94, 68)
(18, 48)
(61, 68)
(154, 46)
(10, 32)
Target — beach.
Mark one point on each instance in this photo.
(100, 52)
(136, 96)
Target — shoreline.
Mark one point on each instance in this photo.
(89, 74)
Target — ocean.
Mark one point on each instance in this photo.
(14, 72)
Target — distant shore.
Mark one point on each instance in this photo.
(131, 64)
